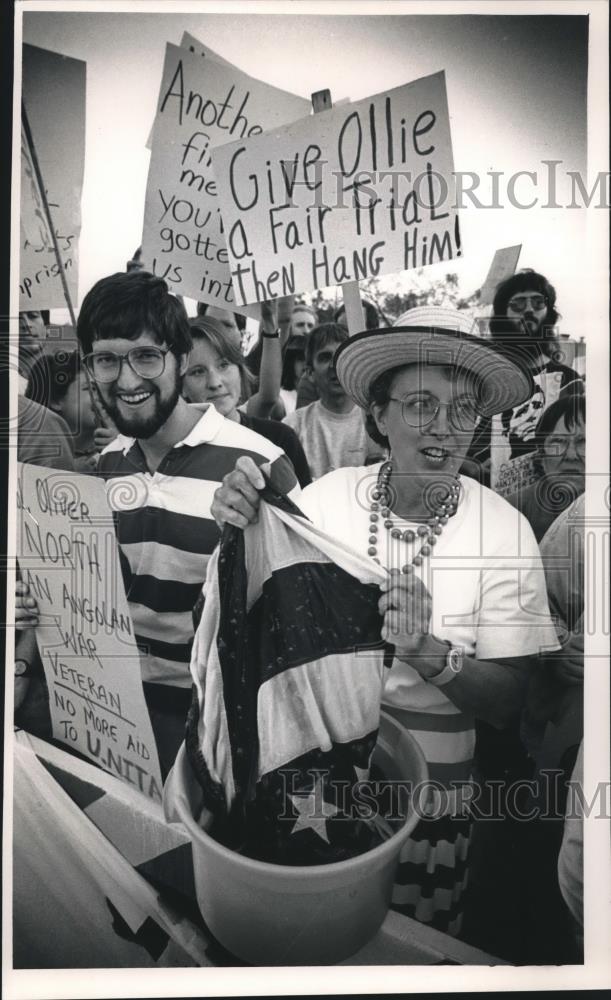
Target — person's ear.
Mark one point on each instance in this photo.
(378, 412)
(183, 364)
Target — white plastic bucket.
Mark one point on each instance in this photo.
(271, 914)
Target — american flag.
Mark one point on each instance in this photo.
(288, 669)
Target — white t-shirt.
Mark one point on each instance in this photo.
(332, 440)
(289, 400)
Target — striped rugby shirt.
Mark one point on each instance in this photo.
(166, 532)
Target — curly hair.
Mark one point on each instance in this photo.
(526, 280)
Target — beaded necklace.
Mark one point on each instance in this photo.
(380, 507)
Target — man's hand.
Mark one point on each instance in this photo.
(237, 500)
(26, 606)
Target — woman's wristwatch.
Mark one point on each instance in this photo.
(453, 666)
(271, 336)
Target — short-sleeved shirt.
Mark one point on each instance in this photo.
(332, 440)
(166, 532)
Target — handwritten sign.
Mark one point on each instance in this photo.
(192, 44)
(348, 194)
(512, 443)
(202, 103)
(54, 98)
(503, 265)
(67, 554)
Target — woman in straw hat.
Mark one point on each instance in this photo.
(464, 604)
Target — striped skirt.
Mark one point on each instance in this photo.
(433, 867)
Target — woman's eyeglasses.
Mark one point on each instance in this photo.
(420, 409)
(147, 362)
(556, 446)
(520, 302)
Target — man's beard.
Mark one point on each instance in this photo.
(542, 337)
(139, 426)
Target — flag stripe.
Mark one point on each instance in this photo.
(314, 705)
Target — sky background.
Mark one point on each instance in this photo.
(517, 94)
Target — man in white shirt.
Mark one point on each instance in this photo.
(332, 429)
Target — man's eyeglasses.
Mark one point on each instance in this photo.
(420, 409)
(147, 362)
(556, 446)
(519, 303)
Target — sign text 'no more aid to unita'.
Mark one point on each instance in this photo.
(351, 193)
(67, 551)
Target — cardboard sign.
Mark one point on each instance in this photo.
(67, 554)
(201, 103)
(512, 443)
(503, 265)
(348, 194)
(54, 99)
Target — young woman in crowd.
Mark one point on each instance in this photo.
(466, 625)
(217, 374)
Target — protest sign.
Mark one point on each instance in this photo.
(54, 100)
(351, 193)
(193, 45)
(512, 444)
(201, 103)
(67, 555)
(503, 265)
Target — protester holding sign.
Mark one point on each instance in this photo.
(465, 622)
(162, 470)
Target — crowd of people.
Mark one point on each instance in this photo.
(384, 440)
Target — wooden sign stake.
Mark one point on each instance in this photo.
(355, 314)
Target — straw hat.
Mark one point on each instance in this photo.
(429, 335)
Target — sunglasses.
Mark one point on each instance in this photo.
(520, 302)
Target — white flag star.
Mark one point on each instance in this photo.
(313, 811)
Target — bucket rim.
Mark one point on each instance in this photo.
(334, 867)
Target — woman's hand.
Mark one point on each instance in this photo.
(237, 500)
(26, 606)
(406, 606)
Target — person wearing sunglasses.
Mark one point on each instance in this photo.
(524, 317)
(559, 463)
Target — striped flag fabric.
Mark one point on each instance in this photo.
(288, 669)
